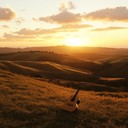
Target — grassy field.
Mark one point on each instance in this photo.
(106, 65)
(34, 85)
(26, 102)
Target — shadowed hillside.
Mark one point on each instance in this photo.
(109, 66)
(50, 56)
(44, 69)
(51, 66)
(27, 102)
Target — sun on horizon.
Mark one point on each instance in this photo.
(64, 22)
(74, 41)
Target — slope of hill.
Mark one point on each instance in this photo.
(45, 69)
(27, 102)
(114, 58)
(116, 69)
(115, 66)
(109, 66)
(52, 57)
(28, 63)
(38, 56)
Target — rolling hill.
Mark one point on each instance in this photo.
(109, 66)
(57, 67)
(28, 102)
(49, 56)
(47, 63)
(44, 69)
(35, 84)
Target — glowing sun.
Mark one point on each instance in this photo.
(72, 41)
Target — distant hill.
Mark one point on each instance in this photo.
(109, 66)
(9, 50)
(45, 69)
(45, 64)
(115, 68)
(70, 50)
(52, 57)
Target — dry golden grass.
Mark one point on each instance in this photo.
(43, 68)
(107, 65)
(29, 103)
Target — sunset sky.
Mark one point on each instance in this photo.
(30, 23)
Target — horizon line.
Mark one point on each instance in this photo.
(64, 46)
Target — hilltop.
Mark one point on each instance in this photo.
(28, 102)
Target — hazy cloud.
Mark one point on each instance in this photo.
(12, 36)
(19, 20)
(6, 14)
(118, 13)
(5, 26)
(63, 28)
(109, 28)
(37, 31)
(65, 16)
(66, 6)
(62, 17)
(26, 34)
(76, 26)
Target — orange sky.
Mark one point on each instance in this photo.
(63, 22)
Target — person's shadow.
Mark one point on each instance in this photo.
(64, 119)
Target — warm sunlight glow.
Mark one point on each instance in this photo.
(72, 41)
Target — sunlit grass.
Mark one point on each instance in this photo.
(27, 102)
